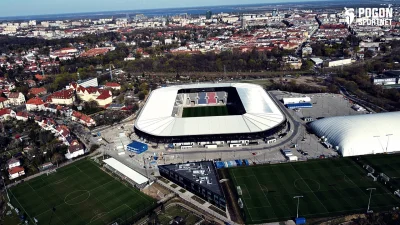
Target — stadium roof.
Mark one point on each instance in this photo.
(361, 134)
(126, 171)
(261, 113)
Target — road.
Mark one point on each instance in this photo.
(361, 102)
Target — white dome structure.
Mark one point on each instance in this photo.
(361, 134)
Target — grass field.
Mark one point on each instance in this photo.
(328, 187)
(172, 211)
(205, 111)
(81, 193)
(387, 164)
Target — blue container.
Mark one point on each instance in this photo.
(238, 162)
(300, 220)
(137, 147)
(219, 165)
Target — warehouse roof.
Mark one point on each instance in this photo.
(126, 171)
(361, 134)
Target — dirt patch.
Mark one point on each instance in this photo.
(156, 191)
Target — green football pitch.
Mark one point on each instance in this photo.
(388, 164)
(81, 193)
(328, 187)
(205, 111)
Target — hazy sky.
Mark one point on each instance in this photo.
(38, 7)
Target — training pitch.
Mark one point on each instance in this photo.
(81, 193)
(203, 111)
(328, 187)
(388, 164)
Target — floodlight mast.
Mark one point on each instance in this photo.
(298, 202)
(369, 201)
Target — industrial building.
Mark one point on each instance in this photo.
(296, 100)
(199, 178)
(340, 62)
(299, 105)
(252, 113)
(360, 134)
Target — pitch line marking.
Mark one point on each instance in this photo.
(85, 192)
(310, 189)
(245, 207)
(266, 198)
(294, 183)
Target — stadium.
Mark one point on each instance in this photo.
(208, 112)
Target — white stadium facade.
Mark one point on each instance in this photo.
(361, 134)
(252, 113)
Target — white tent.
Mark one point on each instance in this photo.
(361, 134)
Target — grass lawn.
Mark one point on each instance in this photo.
(172, 211)
(81, 193)
(205, 111)
(328, 187)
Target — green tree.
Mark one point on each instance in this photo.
(57, 158)
(141, 96)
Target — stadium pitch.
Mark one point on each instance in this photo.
(205, 111)
(328, 187)
(81, 193)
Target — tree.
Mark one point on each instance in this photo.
(94, 147)
(57, 158)
(141, 96)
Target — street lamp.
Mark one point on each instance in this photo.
(379, 141)
(298, 202)
(369, 201)
(387, 145)
(5, 188)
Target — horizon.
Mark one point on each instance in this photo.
(5, 11)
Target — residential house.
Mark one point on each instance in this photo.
(13, 162)
(83, 119)
(104, 99)
(63, 97)
(101, 96)
(114, 86)
(22, 116)
(16, 172)
(30, 83)
(37, 91)
(75, 149)
(50, 107)
(6, 114)
(35, 104)
(3, 102)
(16, 98)
(63, 133)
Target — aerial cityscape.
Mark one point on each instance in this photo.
(200, 113)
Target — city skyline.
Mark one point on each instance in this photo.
(12, 8)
